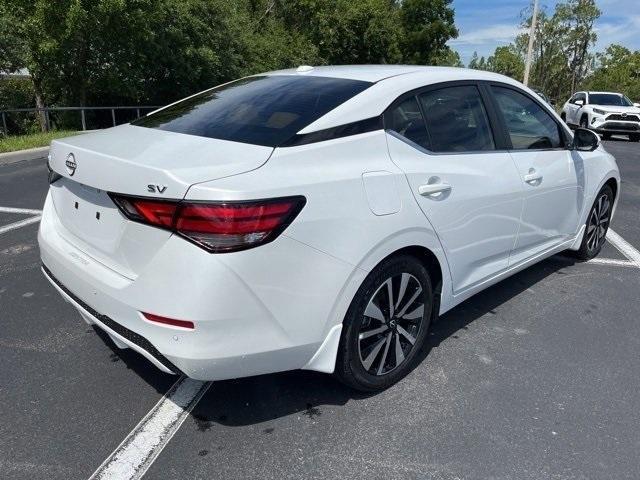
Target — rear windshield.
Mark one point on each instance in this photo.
(609, 99)
(263, 110)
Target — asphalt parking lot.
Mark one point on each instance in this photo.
(535, 378)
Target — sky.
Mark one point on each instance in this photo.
(486, 24)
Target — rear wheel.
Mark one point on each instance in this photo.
(606, 136)
(386, 325)
(597, 225)
(634, 137)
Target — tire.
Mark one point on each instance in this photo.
(598, 218)
(563, 116)
(634, 137)
(584, 121)
(374, 362)
(606, 136)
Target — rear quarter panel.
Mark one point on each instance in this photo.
(338, 219)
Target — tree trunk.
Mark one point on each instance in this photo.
(42, 118)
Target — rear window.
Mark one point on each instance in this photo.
(265, 110)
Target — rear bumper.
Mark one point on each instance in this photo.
(113, 328)
(259, 311)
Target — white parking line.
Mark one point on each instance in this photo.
(625, 247)
(26, 211)
(142, 446)
(612, 261)
(21, 223)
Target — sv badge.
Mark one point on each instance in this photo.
(156, 188)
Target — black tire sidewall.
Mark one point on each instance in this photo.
(348, 365)
(584, 251)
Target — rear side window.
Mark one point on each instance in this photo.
(456, 120)
(529, 126)
(406, 120)
(265, 110)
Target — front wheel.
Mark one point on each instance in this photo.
(386, 325)
(597, 225)
(584, 121)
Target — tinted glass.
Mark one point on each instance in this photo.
(407, 120)
(609, 99)
(456, 120)
(257, 110)
(528, 124)
(580, 96)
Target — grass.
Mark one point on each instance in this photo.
(21, 142)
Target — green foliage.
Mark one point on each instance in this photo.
(99, 52)
(12, 47)
(426, 25)
(507, 61)
(16, 93)
(14, 143)
(477, 63)
(618, 70)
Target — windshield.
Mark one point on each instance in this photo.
(264, 110)
(609, 99)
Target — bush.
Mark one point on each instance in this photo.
(18, 93)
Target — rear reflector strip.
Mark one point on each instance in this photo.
(168, 321)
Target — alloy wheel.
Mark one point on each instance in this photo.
(391, 324)
(598, 222)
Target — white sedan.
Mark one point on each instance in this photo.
(607, 113)
(316, 218)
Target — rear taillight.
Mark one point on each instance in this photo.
(217, 226)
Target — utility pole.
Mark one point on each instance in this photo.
(532, 32)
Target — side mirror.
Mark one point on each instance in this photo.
(579, 102)
(585, 140)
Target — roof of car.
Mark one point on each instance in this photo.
(376, 73)
(389, 81)
(607, 93)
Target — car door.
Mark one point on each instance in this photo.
(573, 117)
(469, 190)
(552, 176)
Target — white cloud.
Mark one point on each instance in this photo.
(493, 34)
(624, 32)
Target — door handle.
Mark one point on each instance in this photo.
(532, 176)
(433, 189)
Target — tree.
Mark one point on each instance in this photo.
(427, 25)
(506, 61)
(448, 58)
(563, 40)
(12, 47)
(618, 70)
(98, 52)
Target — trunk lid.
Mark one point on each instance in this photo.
(128, 160)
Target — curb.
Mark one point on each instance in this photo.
(23, 155)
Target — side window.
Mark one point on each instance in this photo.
(407, 120)
(529, 126)
(581, 96)
(456, 120)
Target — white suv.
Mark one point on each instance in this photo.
(604, 112)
